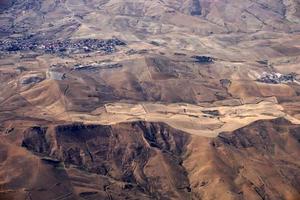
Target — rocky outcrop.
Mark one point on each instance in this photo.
(154, 161)
(142, 155)
(35, 140)
(259, 161)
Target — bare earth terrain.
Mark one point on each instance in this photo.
(140, 99)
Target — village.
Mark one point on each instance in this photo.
(61, 47)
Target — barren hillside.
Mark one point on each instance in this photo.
(140, 99)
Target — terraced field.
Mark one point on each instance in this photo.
(193, 119)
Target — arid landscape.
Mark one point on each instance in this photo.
(150, 99)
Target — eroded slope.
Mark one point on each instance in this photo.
(151, 161)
